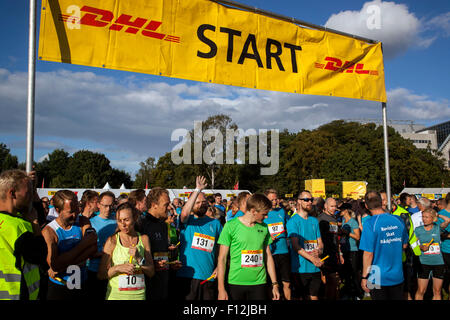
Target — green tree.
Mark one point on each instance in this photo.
(87, 162)
(7, 160)
(145, 173)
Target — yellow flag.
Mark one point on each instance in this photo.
(204, 41)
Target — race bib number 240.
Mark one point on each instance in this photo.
(251, 258)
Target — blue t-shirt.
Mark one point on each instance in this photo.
(104, 228)
(350, 244)
(445, 246)
(433, 256)
(276, 222)
(307, 231)
(198, 247)
(384, 235)
(231, 217)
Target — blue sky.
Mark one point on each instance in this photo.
(136, 113)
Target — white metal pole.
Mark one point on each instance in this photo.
(386, 155)
(31, 85)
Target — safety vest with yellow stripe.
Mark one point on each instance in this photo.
(413, 241)
(11, 228)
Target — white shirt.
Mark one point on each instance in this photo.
(416, 219)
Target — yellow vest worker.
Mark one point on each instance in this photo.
(19, 248)
(413, 242)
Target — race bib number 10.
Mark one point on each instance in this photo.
(203, 242)
(251, 258)
(131, 282)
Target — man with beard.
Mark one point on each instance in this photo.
(303, 231)
(198, 247)
(69, 246)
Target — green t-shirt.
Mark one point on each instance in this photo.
(247, 252)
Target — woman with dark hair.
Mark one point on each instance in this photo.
(126, 258)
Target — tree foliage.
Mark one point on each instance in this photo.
(7, 160)
(337, 151)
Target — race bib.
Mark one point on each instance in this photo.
(434, 248)
(333, 227)
(251, 258)
(275, 228)
(310, 245)
(131, 282)
(157, 256)
(203, 242)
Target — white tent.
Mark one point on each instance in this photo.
(419, 192)
(122, 187)
(107, 186)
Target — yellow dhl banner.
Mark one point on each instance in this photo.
(204, 41)
(354, 189)
(316, 187)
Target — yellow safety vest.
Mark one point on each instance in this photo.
(413, 241)
(11, 228)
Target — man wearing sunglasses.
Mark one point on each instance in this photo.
(303, 231)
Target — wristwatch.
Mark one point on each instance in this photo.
(365, 278)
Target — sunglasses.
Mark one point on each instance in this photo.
(306, 199)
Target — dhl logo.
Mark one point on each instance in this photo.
(336, 65)
(96, 17)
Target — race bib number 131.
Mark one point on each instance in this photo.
(203, 242)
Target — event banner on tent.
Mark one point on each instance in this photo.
(354, 189)
(204, 41)
(316, 187)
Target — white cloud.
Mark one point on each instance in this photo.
(131, 121)
(440, 23)
(391, 23)
(413, 106)
(44, 157)
(301, 108)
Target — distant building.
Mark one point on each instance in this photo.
(436, 137)
(443, 139)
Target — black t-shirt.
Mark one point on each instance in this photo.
(156, 230)
(328, 226)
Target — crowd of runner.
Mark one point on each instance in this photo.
(251, 247)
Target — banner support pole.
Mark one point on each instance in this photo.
(386, 156)
(31, 85)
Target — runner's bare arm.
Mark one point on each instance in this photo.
(200, 184)
(272, 274)
(221, 265)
